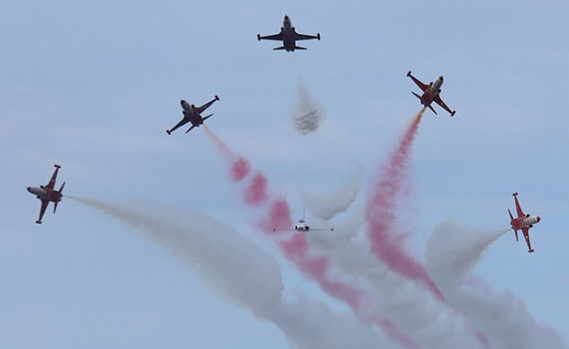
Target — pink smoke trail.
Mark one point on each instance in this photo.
(381, 215)
(298, 251)
(240, 167)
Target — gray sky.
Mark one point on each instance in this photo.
(94, 86)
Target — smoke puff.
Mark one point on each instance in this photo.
(307, 114)
(326, 207)
(322, 329)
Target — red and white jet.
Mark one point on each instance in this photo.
(431, 93)
(47, 194)
(302, 226)
(524, 222)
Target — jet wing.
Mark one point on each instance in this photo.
(298, 36)
(201, 109)
(526, 236)
(276, 37)
(179, 124)
(421, 85)
(440, 102)
(43, 207)
(51, 183)
(519, 209)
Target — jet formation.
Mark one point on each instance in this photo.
(289, 37)
(47, 193)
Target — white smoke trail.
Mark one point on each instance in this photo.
(428, 321)
(326, 207)
(244, 274)
(452, 251)
(307, 115)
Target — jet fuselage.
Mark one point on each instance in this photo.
(191, 114)
(430, 93)
(45, 194)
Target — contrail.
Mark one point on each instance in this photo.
(242, 273)
(313, 265)
(381, 213)
(452, 252)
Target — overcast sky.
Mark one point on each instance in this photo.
(93, 86)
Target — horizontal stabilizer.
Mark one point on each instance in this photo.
(430, 107)
(190, 129)
(300, 48)
(61, 189)
(416, 95)
(55, 207)
(279, 48)
(207, 117)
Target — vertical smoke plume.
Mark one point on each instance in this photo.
(307, 115)
(242, 273)
(452, 251)
(311, 264)
(381, 213)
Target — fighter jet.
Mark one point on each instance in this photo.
(431, 93)
(302, 226)
(193, 114)
(47, 194)
(524, 222)
(288, 36)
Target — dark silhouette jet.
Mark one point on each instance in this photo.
(193, 114)
(288, 36)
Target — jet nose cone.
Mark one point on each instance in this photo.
(441, 78)
(29, 189)
(538, 218)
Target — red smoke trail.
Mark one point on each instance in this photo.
(240, 166)
(298, 251)
(381, 216)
